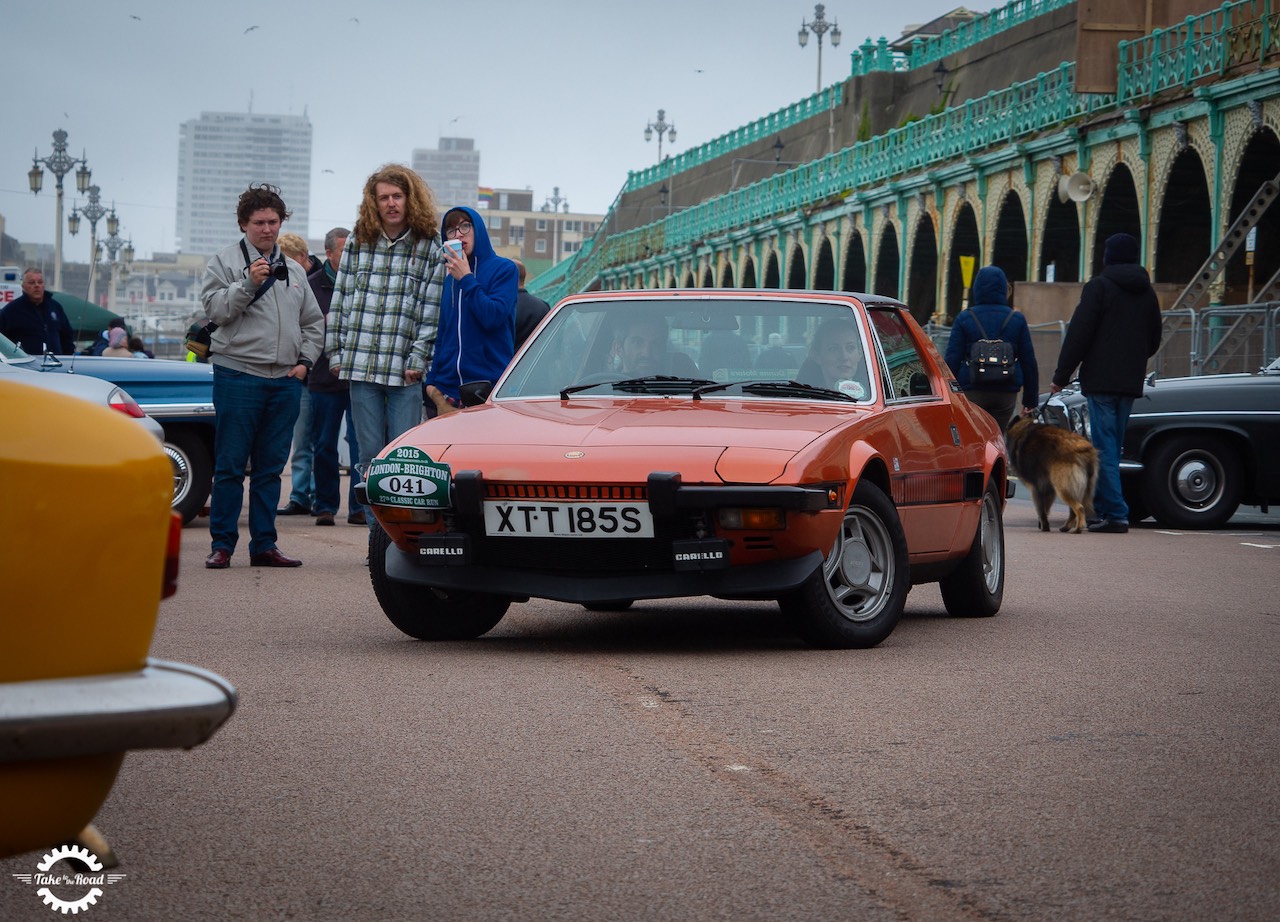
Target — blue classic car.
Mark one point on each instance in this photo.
(178, 395)
(1196, 448)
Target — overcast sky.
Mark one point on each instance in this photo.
(555, 93)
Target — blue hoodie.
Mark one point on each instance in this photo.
(991, 305)
(476, 337)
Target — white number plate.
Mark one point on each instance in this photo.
(538, 519)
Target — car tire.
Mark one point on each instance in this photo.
(192, 471)
(854, 600)
(615, 605)
(427, 613)
(975, 589)
(1193, 481)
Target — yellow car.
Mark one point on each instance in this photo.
(77, 689)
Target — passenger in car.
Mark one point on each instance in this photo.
(835, 358)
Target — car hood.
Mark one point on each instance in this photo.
(624, 440)
(1207, 392)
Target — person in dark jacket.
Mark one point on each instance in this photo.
(476, 337)
(330, 402)
(992, 315)
(530, 309)
(1114, 330)
(36, 322)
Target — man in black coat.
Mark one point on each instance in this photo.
(35, 321)
(1114, 330)
(530, 309)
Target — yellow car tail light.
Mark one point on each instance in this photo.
(172, 549)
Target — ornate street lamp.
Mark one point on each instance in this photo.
(661, 126)
(819, 27)
(116, 244)
(91, 212)
(60, 163)
(552, 204)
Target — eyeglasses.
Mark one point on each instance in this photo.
(463, 227)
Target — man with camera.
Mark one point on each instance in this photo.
(269, 332)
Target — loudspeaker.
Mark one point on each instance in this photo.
(1075, 188)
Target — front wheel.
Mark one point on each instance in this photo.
(856, 597)
(427, 613)
(975, 589)
(1193, 482)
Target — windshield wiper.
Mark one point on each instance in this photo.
(776, 389)
(673, 382)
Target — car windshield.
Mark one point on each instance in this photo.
(702, 347)
(12, 353)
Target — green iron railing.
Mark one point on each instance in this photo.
(1198, 48)
(872, 57)
(1178, 57)
(757, 131)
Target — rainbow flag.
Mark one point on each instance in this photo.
(486, 195)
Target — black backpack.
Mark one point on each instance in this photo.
(991, 361)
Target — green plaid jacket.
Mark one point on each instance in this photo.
(385, 309)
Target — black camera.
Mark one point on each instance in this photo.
(280, 271)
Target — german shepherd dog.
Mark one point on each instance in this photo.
(1049, 460)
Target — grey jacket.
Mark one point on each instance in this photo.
(273, 334)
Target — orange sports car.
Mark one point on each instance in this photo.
(808, 447)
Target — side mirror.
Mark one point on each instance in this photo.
(918, 385)
(474, 393)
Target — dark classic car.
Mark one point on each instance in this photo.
(635, 450)
(1196, 448)
(178, 395)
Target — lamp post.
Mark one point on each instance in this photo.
(92, 212)
(661, 126)
(819, 27)
(115, 244)
(60, 163)
(552, 204)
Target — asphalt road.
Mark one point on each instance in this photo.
(1106, 747)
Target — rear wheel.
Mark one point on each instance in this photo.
(427, 613)
(856, 597)
(1193, 482)
(192, 471)
(975, 589)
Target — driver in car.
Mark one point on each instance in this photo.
(642, 349)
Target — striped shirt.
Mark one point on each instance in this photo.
(386, 309)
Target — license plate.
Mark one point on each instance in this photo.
(535, 519)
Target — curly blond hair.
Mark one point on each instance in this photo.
(420, 204)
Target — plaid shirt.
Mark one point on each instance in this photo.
(385, 310)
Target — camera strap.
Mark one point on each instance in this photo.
(267, 283)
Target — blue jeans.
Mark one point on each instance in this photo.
(381, 413)
(327, 410)
(1108, 419)
(303, 484)
(252, 429)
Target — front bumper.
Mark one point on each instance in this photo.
(755, 580)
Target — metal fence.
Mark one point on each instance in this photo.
(1213, 341)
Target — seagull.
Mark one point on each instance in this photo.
(250, 29)
(326, 171)
(139, 18)
(353, 19)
